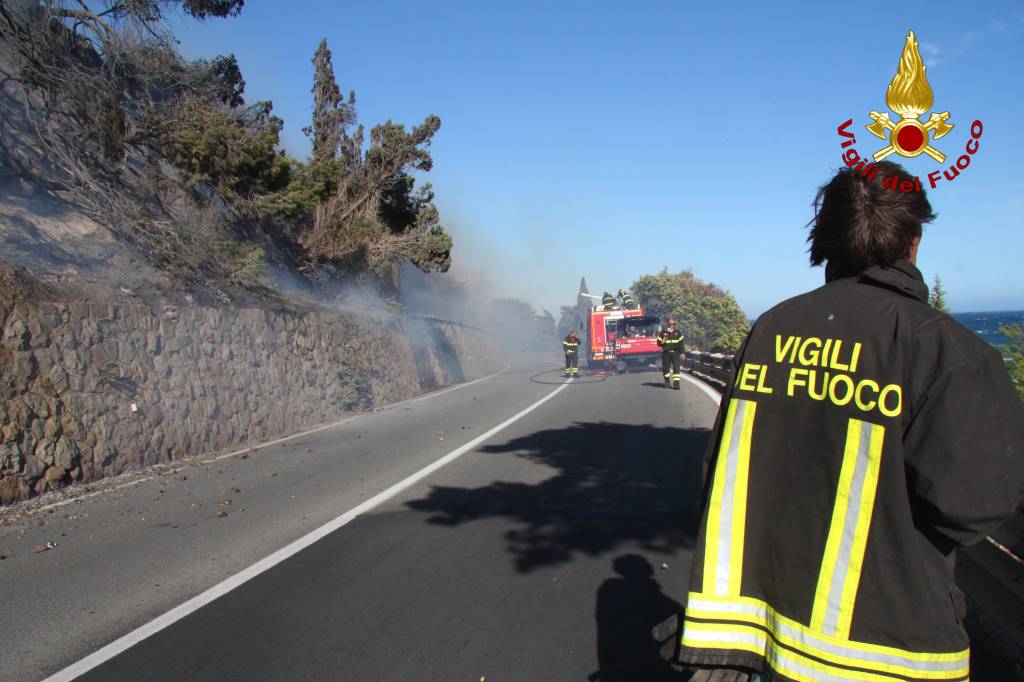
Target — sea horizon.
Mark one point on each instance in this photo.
(986, 323)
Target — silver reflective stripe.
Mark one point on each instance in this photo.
(778, 660)
(736, 637)
(776, 656)
(811, 642)
(835, 590)
(727, 508)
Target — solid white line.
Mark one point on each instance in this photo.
(195, 603)
(173, 467)
(710, 392)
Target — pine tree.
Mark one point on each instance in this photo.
(332, 114)
(937, 298)
(1013, 354)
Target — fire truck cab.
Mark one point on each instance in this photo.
(603, 330)
(636, 341)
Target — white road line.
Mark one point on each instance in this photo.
(174, 467)
(195, 603)
(710, 392)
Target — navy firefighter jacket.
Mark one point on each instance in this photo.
(865, 436)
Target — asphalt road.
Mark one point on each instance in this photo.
(544, 552)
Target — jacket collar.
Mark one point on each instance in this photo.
(902, 277)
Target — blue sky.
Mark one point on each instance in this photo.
(610, 140)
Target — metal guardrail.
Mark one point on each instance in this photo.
(715, 368)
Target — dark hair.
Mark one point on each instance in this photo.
(859, 223)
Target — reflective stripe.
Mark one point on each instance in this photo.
(882, 659)
(745, 638)
(713, 636)
(727, 510)
(848, 532)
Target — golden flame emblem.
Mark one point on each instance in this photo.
(909, 95)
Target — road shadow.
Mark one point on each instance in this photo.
(627, 606)
(613, 485)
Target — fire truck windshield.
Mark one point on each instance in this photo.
(637, 327)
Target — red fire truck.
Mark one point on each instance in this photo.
(636, 341)
(602, 323)
(619, 335)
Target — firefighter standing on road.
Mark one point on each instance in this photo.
(571, 346)
(671, 341)
(865, 437)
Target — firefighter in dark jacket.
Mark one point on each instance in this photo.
(866, 436)
(571, 346)
(671, 341)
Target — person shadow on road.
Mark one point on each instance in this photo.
(627, 607)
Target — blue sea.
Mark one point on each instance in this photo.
(986, 325)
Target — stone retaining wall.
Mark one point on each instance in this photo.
(89, 390)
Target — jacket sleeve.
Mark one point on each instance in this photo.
(964, 450)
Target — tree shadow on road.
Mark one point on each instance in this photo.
(614, 485)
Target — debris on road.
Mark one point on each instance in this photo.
(223, 503)
(44, 547)
(664, 565)
(221, 514)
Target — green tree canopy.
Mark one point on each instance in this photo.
(937, 297)
(708, 316)
(1013, 354)
(333, 115)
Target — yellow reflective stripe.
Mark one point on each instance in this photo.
(739, 516)
(863, 527)
(724, 636)
(737, 637)
(724, 534)
(714, 522)
(786, 661)
(839, 577)
(883, 659)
